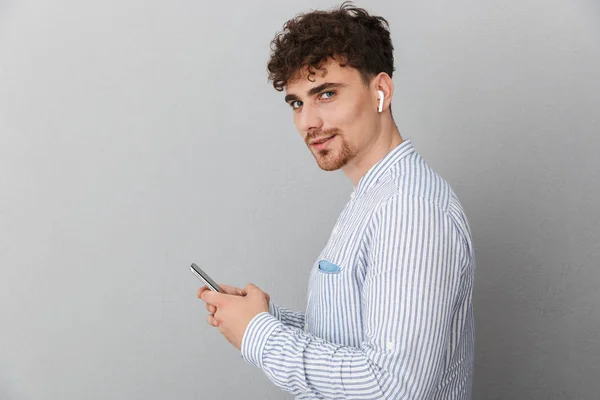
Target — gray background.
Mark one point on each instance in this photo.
(137, 137)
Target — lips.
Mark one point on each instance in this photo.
(321, 140)
(322, 144)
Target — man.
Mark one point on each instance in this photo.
(389, 312)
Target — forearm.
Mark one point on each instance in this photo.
(301, 363)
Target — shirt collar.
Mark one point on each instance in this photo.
(382, 166)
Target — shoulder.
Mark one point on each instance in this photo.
(410, 182)
(414, 193)
(414, 178)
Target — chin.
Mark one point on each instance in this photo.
(329, 162)
(330, 167)
(335, 157)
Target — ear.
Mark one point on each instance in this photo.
(383, 86)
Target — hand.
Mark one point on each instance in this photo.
(226, 289)
(233, 312)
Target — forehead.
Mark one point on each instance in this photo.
(330, 71)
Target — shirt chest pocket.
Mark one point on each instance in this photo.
(327, 267)
(329, 282)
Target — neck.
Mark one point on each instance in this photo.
(388, 139)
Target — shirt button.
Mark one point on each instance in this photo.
(390, 345)
(305, 327)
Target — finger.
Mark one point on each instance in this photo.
(202, 290)
(232, 290)
(211, 309)
(215, 298)
(211, 320)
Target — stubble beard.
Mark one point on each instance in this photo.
(335, 157)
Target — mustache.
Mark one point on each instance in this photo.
(320, 133)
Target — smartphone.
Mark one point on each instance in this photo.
(203, 276)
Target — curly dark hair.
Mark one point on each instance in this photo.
(347, 33)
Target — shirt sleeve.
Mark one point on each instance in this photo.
(287, 317)
(413, 272)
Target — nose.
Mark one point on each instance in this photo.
(309, 119)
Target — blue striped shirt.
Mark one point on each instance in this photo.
(395, 320)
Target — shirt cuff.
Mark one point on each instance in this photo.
(256, 336)
(274, 310)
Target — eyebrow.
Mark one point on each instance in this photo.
(315, 90)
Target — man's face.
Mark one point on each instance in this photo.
(337, 106)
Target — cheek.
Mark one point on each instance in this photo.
(349, 118)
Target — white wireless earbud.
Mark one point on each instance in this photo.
(381, 97)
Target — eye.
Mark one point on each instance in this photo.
(295, 104)
(327, 95)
